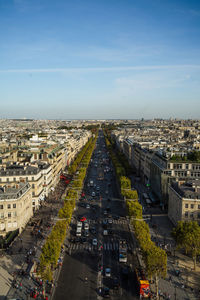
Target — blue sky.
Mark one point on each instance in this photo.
(99, 59)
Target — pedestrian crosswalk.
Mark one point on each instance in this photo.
(93, 222)
(109, 246)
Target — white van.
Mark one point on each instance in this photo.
(78, 231)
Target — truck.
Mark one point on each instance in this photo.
(142, 283)
(122, 251)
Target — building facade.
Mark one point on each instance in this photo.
(15, 207)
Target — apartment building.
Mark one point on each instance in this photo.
(15, 207)
(184, 201)
(20, 172)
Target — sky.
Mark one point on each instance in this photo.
(100, 59)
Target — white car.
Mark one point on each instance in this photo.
(94, 242)
(108, 272)
(93, 194)
(88, 206)
(86, 226)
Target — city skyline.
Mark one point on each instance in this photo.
(100, 60)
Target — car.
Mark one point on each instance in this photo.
(106, 292)
(105, 212)
(125, 271)
(93, 194)
(88, 206)
(116, 283)
(84, 240)
(94, 242)
(83, 219)
(110, 221)
(86, 226)
(77, 240)
(97, 188)
(105, 232)
(104, 221)
(86, 233)
(108, 272)
(115, 217)
(108, 209)
(82, 204)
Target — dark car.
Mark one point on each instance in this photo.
(125, 271)
(106, 292)
(116, 284)
(83, 240)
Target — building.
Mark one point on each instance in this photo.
(184, 201)
(20, 172)
(15, 207)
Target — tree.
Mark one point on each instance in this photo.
(187, 235)
(156, 264)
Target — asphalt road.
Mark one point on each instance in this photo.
(83, 270)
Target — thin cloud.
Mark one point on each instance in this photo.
(100, 69)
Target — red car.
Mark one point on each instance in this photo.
(83, 219)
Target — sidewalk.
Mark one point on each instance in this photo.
(26, 249)
(186, 285)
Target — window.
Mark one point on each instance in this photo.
(14, 179)
(33, 185)
(32, 178)
(14, 205)
(192, 216)
(192, 206)
(186, 205)
(7, 179)
(1, 206)
(186, 166)
(1, 215)
(198, 206)
(33, 193)
(9, 206)
(9, 215)
(14, 214)
(186, 214)
(198, 216)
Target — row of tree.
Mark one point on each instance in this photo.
(154, 257)
(52, 247)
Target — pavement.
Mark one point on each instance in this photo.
(25, 250)
(186, 285)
